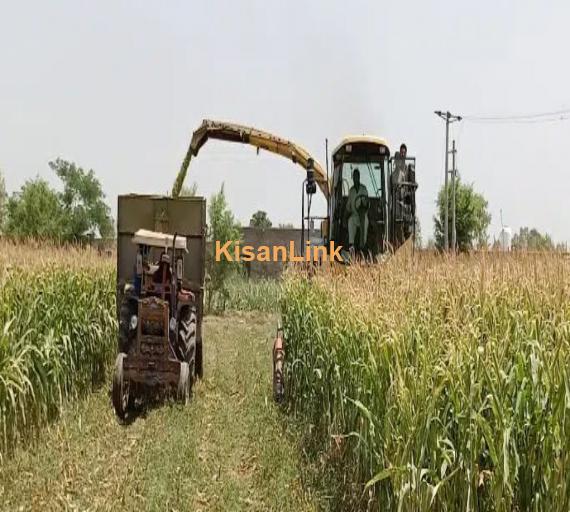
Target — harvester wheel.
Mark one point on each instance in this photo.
(187, 335)
(120, 388)
(184, 383)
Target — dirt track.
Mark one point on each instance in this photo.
(228, 450)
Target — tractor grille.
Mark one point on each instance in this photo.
(153, 318)
(153, 327)
(153, 346)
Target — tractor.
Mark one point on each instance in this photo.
(160, 277)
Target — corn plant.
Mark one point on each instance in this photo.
(437, 384)
(57, 332)
(262, 294)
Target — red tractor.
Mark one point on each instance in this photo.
(160, 313)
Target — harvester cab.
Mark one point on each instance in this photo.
(372, 199)
(160, 308)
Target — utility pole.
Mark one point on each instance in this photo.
(453, 190)
(449, 118)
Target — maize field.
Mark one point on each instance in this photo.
(261, 294)
(426, 384)
(434, 383)
(57, 321)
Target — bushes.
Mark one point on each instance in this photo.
(444, 385)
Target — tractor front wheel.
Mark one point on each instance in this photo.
(120, 388)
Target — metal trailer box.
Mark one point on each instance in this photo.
(185, 216)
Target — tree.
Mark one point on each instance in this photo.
(472, 217)
(260, 220)
(83, 202)
(35, 211)
(223, 228)
(3, 198)
(286, 225)
(39, 211)
(532, 240)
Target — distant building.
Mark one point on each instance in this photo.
(270, 237)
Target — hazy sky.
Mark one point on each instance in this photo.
(119, 87)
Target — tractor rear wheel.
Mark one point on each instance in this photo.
(187, 335)
(184, 383)
(120, 388)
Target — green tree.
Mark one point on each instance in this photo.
(35, 211)
(472, 217)
(260, 220)
(83, 202)
(223, 228)
(286, 225)
(532, 240)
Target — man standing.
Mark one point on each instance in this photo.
(400, 174)
(357, 211)
(403, 177)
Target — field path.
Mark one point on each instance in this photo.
(227, 450)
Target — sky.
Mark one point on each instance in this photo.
(119, 86)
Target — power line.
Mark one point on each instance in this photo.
(520, 121)
(555, 115)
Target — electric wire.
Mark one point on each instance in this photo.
(534, 118)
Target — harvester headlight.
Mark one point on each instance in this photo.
(134, 322)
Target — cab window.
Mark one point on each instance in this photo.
(370, 177)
